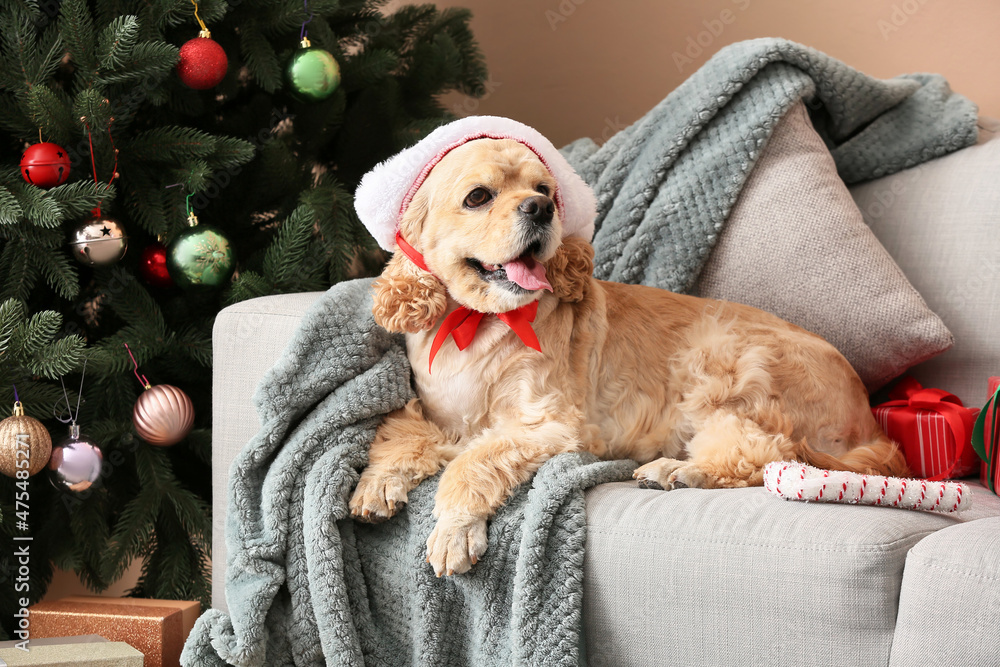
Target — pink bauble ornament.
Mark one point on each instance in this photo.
(163, 415)
(76, 463)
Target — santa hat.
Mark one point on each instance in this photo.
(386, 190)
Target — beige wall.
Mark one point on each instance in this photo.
(576, 68)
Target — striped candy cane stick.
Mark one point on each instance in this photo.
(798, 481)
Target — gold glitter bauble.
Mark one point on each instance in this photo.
(23, 438)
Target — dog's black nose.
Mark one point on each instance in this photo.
(537, 209)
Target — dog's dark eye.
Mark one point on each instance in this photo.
(477, 197)
(543, 189)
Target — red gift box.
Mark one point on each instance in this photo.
(986, 438)
(932, 428)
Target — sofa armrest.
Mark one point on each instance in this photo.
(949, 597)
(247, 340)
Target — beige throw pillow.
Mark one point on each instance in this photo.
(796, 245)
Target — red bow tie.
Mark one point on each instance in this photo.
(463, 323)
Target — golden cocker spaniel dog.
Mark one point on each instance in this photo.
(703, 393)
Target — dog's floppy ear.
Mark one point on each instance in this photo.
(406, 298)
(570, 269)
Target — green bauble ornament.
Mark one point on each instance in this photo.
(200, 257)
(312, 73)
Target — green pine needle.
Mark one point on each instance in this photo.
(116, 42)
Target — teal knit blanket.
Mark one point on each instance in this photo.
(306, 585)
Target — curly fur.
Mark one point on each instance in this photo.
(569, 271)
(406, 299)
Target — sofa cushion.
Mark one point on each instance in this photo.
(797, 246)
(950, 598)
(740, 577)
(940, 222)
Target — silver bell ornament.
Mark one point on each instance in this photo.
(76, 462)
(99, 240)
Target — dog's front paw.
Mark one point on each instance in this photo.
(456, 543)
(657, 474)
(378, 497)
(670, 474)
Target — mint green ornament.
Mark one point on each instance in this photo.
(200, 257)
(312, 73)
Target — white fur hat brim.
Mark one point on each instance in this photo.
(386, 190)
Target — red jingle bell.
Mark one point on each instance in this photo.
(45, 165)
(153, 266)
(203, 63)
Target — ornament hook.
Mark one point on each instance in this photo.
(204, 28)
(303, 33)
(69, 409)
(142, 379)
(18, 408)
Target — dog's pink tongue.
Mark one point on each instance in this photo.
(527, 273)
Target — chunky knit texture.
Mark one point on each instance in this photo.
(308, 586)
(665, 185)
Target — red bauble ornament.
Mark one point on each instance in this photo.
(153, 266)
(45, 165)
(203, 63)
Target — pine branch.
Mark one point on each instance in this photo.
(249, 285)
(94, 110)
(10, 210)
(170, 143)
(116, 41)
(139, 310)
(59, 273)
(54, 48)
(18, 272)
(79, 198)
(196, 343)
(38, 208)
(12, 116)
(33, 333)
(77, 30)
(368, 68)
(57, 359)
(230, 152)
(147, 62)
(11, 314)
(19, 46)
(283, 260)
(261, 60)
(50, 112)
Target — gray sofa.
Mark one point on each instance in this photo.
(694, 577)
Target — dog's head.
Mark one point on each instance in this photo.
(486, 222)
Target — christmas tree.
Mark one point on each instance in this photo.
(269, 157)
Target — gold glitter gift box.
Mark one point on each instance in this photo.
(157, 628)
